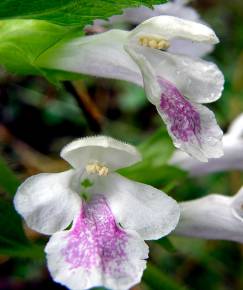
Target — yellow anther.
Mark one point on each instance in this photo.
(153, 42)
(91, 168)
(103, 171)
(141, 40)
(96, 168)
(145, 41)
(163, 44)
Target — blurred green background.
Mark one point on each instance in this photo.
(38, 118)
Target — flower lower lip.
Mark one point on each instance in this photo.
(95, 239)
(184, 119)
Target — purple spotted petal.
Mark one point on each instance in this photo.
(96, 240)
(96, 251)
(192, 126)
(184, 120)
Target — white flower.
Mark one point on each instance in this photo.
(111, 216)
(213, 217)
(178, 8)
(231, 160)
(175, 83)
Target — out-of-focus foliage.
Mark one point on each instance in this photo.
(13, 241)
(8, 180)
(153, 169)
(67, 12)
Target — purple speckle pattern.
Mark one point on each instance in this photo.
(184, 120)
(96, 241)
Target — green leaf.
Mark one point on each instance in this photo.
(166, 244)
(67, 12)
(13, 241)
(8, 181)
(23, 41)
(154, 168)
(158, 148)
(156, 279)
(164, 175)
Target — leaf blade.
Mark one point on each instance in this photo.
(67, 12)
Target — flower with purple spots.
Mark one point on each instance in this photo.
(109, 215)
(149, 56)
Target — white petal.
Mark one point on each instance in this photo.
(138, 206)
(105, 150)
(96, 251)
(169, 27)
(192, 127)
(237, 205)
(47, 202)
(151, 85)
(198, 80)
(184, 46)
(177, 8)
(211, 217)
(236, 128)
(190, 48)
(99, 55)
(231, 160)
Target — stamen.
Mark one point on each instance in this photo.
(96, 168)
(152, 42)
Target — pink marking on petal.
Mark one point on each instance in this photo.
(184, 119)
(95, 239)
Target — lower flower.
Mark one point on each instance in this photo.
(111, 216)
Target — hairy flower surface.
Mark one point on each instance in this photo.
(136, 15)
(111, 216)
(213, 217)
(175, 83)
(231, 160)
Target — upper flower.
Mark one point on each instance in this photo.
(175, 83)
(111, 216)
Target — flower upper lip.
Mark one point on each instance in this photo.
(169, 27)
(77, 152)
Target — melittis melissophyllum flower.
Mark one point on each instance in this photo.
(111, 215)
(175, 83)
(231, 160)
(213, 217)
(136, 15)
